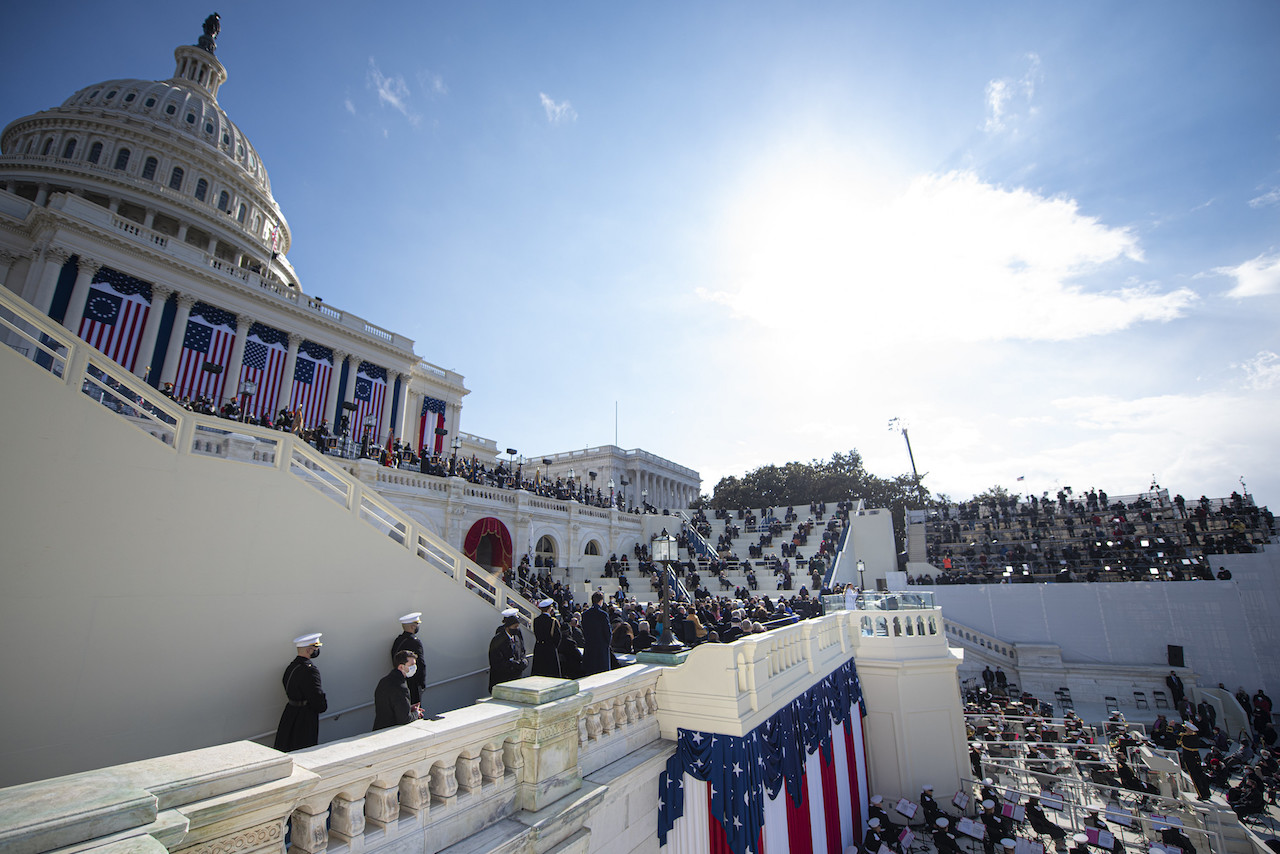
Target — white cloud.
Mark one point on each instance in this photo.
(1262, 372)
(392, 91)
(1254, 278)
(557, 113)
(1005, 95)
(938, 257)
(1270, 197)
(432, 83)
(350, 106)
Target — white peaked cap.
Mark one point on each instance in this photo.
(307, 640)
(511, 612)
(415, 617)
(546, 603)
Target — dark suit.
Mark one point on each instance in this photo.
(417, 682)
(300, 722)
(391, 705)
(546, 646)
(596, 637)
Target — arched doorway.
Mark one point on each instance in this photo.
(546, 551)
(488, 543)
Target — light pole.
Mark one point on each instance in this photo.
(610, 493)
(644, 500)
(862, 575)
(664, 554)
(899, 424)
(453, 463)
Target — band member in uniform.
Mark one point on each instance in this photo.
(410, 625)
(943, 839)
(877, 837)
(546, 641)
(930, 806)
(1040, 822)
(996, 826)
(877, 811)
(300, 722)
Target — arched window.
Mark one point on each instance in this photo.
(202, 189)
(170, 109)
(149, 167)
(48, 147)
(593, 548)
(150, 102)
(224, 201)
(122, 159)
(95, 152)
(175, 178)
(241, 214)
(69, 150)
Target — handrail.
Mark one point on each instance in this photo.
(83, 367)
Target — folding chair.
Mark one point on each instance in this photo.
(1140, 700)
(1113, 705)
(1162, 700)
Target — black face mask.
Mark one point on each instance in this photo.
(315, 653)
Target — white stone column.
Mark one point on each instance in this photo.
(54, 258)
(403, 428)
(147, 346)
(286, 378)
(169, 371)
(88, 268)
(7, 259)
(243, 322)
(332, 400)
(385, 423)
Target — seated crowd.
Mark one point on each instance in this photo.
(1147, 537)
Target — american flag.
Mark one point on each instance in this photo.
(264, 353)
(311, 382)
(115, 313)
(371, 388)
(797, 782)
(429, 405)
(209, 335)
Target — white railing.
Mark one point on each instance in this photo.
(82, 367)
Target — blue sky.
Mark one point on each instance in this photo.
(1046, 236)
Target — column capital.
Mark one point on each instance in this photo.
(89, 266)
(160, 292)
(339, 355)
(296, 339)
(56, 253)
(244, 321)
(186, 301)
(9, 256)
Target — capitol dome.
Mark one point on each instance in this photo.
(161, 153)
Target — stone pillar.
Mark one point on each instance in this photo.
(42, 195)
(113, 204)
(147, 346)
(182, 231)
(385, 423)
(243, 323)
(286, 378)
(169, 372)
(412, 415)
(88, 268)
(7, 259)
(404, 428)
(54, 258)
(332, 401)
(149, 221)
(547, 747)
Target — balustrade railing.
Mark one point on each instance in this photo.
(82, 367)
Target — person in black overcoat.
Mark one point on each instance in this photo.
(408, 640)
(506, 650)
(597, 636)
(391, 706)
(546, 641)
(300, 722)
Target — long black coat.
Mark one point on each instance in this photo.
(391, 705)
(506, 657)
(546, 645)
(596, 636)
(418, 681)
(300, 722)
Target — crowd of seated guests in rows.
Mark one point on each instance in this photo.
(723, 556)
(1089, 539)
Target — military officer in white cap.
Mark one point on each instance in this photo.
(546, 641)
(300, 722)
(408, 639)
(506, 650)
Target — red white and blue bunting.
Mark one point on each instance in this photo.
(796, 783)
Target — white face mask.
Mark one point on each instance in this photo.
(413, 668)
